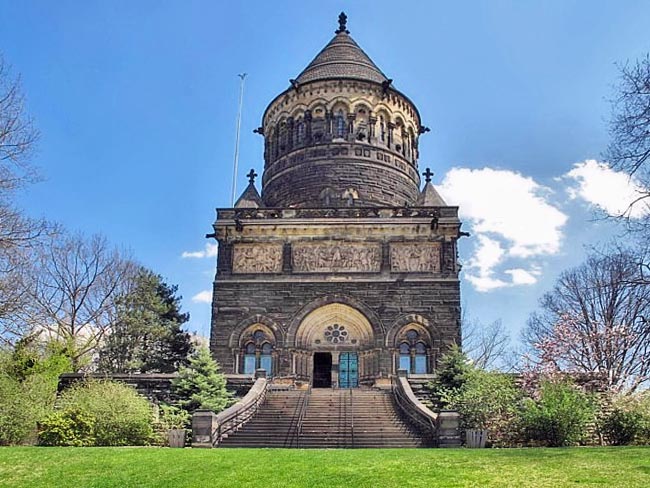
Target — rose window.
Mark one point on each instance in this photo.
(336, 333)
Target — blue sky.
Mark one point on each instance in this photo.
(136, 103)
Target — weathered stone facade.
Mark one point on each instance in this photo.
(342, 258)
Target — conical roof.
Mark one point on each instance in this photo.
(429, 197)
(342, 58)
(250, 198)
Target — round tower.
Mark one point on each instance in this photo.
(341, 135)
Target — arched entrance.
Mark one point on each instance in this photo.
(334, 346)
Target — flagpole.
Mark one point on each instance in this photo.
(236, 162)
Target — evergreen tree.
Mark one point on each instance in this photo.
(451, 376)
(147, 336)
(201, 385)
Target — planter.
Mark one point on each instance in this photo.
(475, 438)
(176, 437)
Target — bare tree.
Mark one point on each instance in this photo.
(629, 149)
(17, 132)
(17, 233)
(488, 346)
(73, 290)
(595, 320)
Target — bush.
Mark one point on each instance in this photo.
(628, 421)
(170, 417)
(559, 417)
(487, 400)
(71, 427)
(28, 382)
(118, 416)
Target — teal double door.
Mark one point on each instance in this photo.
(348, 370)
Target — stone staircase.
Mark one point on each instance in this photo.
(275, 424)
(326, 418)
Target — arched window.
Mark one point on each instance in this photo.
(420, 366)
(258, 353)
(266, 361)
(300, 133)
(382, 129)
(413, 353)
(249, 359)
(284, 137)
(340, 124)
(405, 356)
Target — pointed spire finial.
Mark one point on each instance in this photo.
(427, 175)
(251, 176)
(343, 21)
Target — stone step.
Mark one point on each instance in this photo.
(327, 421)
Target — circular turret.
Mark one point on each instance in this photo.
(341, 135)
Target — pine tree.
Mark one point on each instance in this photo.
(201, 385)
(451, 375)
(147, 336)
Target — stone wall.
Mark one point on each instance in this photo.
(156, 386)
(357, 175)
(387, 302)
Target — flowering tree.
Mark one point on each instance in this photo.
(595, 321)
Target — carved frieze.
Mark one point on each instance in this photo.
(336, 257)
(257, 258)
(419, 257)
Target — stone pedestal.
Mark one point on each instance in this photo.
(204, 423)
(448, 427)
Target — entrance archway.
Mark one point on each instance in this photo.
(335, 346)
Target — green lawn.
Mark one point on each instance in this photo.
(383, 468)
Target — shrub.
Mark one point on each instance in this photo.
(171, 417)
(488, 400)
(559, 417)
(117, 414)
(71, 427)
(28, 382)
(200, 385)
(628, 421)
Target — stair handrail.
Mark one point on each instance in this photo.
(290, 436)
(419, 415)
(235, 416)
(301, 417)
(352, 417)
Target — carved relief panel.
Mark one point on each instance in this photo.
(419, 257)
(336, 257)
(257, 258)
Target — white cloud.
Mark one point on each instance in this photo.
(204, 296)
(523, 277)
(512, 219)
(609, 190)
(210, 251)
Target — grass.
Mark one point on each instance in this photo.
(378, 468)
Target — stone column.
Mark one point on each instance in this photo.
(335, 369)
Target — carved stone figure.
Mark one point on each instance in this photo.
(257, 258)
(422, 257)
(333, 257)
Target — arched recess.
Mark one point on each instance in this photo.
(332, 325)
(356, 308)
(264, 322)
(399, 324)
(254, 344)
(414, 344)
